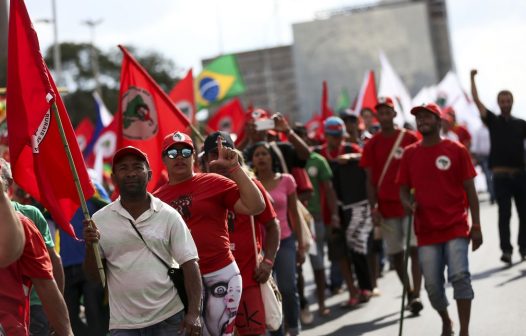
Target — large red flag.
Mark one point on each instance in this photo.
(367, 98)
(326, 110)
(229, 117)
(40, 164)
(182, 95)
(84, 133)
(146, 114)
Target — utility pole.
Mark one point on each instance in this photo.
(56, 46)
(92, 24)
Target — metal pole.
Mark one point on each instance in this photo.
(92, 24)
(56, 46)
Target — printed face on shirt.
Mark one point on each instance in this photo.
(131, 174)
(427, 123)
(179, 166)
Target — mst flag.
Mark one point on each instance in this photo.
(229, 118)
(182, 95)
(39, 162)
(219, 80)
(145, 115)
(84, 132)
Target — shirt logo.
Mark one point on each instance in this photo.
(312, 171)
(443, 162)
(398, 153)
(182, 205)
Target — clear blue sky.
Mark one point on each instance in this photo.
(485, 34)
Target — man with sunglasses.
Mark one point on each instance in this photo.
(203, 200)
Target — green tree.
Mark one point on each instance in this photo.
(77, 70)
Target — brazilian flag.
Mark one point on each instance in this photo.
(219, 80)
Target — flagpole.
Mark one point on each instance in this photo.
(76, 179)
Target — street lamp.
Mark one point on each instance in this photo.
(56, 46)
(92, 24)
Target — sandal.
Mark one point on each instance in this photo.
(351, 303)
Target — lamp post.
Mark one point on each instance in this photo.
(57, 65)
(92, 24)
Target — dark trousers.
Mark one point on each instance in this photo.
(508, 186)
(77, 286)
(483, 161)
(38, 324)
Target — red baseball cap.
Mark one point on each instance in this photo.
(387, 101)
(177, 138)
(431, 107)
(129, 150)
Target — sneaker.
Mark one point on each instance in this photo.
(376, 292)
(306, 316)
(415, 306)
(506, 257)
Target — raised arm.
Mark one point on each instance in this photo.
(300, 146)
(474, 92)
(12, 237)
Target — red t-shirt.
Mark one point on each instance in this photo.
(241, 242)
(463, 134)
(374, 157)
(203, 201)
(15, 285)
(437, 174)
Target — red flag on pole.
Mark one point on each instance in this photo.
(40, 165)
(326, 110)
(182, 95)
(367, 98)
(146, 114)
(84, 132)
(229, 117)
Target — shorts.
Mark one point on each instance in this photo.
(317, 260)
(394, 231)
(250, 319)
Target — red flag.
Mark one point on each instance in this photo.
(326, 111)
(182, 95)
(146, 114)
(367, 98)
(84, 133)
(229, 117)
(313, 126)
(40, 165)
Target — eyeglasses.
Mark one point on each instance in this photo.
(174, 153)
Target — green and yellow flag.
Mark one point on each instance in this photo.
(219, 80)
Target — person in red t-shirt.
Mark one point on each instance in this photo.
(11, 233)
(464, 137)
(203, 200)
(442, 176)
(243, 235)
(384, 194)
(33, 268)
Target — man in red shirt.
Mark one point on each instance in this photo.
(11, 233)
(32, 268)
(203, 200)
(450, 124)
(243, 235)
(381, 159)
(442, 176)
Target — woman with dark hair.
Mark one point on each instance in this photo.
(282, 189)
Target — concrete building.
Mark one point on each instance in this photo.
(269, 79)
(342, 45)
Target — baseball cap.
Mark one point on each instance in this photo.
(431, 107)
(129, 150)
(177, 138)
(211, 141)
(385, 101)
(334, 126)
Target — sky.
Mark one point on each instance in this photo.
(485, 34)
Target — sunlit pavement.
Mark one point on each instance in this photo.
(499, 307)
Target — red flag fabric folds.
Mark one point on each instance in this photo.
(39, 162)
(182, 95)
(145, 115)
(84, 133)
(229, 117)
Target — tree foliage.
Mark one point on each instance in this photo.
(78, 75)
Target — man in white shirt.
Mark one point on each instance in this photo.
(142, 296)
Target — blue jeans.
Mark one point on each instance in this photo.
(433, 261)
(508, 186)
(170, 326)
(285, 270)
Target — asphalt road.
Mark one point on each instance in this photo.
(499, 307)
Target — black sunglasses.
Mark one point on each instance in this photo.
(174, 152)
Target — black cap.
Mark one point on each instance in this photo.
(211, 141)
